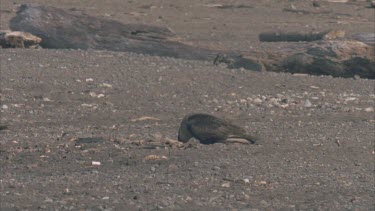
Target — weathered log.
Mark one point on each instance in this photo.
(335, 58)
(367, 38)
(297, 36)
(71, 29)
(18, 39)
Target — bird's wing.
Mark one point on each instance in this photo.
(206, 130)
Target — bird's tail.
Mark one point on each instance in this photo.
(242, 139)
(251, 139)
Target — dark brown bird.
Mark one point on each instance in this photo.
(209, 129)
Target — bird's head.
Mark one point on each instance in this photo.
(184, 134)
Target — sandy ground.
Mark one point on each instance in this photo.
(317, 133)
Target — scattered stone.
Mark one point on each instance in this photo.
(106, 85)
(4, 107)
(307, 104)
(257, 101)
(95, 163)
(155, 157)
(369, 109)
(350, 99)
(48, 200)
(225, 185)
(263, 182)
(89, 80)
(172, 167)
(263, 203)
(216, 168)
(93, 94)
(100, 96)
(145, 118)
(89, 105)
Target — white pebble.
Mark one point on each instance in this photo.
(257, 101)
(106, 85)
(308, 104)
(350, 99)
(4, 107)
(95, 163)
(246, 180)
(369, 109)
(93, 94)
(225, 185)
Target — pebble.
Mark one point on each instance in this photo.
(225, 185)
(100, 95)
(257, 101)
(106, 85)
(48, 200)
(4, 107)
(284, 105)
(350, 99)
(264, 203)
(369, 109)
(216, 168)
(188, 198)
(93, 94)
(273, 101)
(308, 104)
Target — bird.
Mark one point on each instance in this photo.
(209, 129)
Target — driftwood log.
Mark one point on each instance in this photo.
(72, 29)
(17, 39)
(338, 58)
(297, 36)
